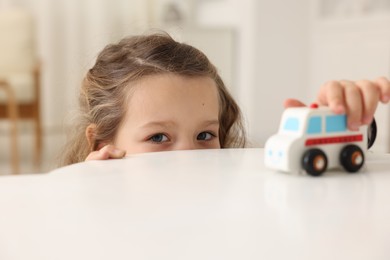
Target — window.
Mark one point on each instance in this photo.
(291, 124)
(336, 123)
(315, 125)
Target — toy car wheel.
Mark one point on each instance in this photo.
(352, 158)
(315, 162)
(371, 134)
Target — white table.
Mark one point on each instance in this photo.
(213, 204)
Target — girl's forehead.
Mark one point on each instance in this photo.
(168, 84)
(175, 78)
(169, 93)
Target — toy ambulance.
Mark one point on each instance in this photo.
(315, 139)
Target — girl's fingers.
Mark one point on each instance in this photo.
(384, 88)
(358, 100)
(354, 104)
(332, 95)
(293, 103)
(107, 152)
(370, 95)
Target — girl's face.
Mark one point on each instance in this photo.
(169, 112)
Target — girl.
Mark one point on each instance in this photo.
(151, 93)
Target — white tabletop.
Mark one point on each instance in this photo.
(211, 204)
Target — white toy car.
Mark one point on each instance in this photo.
(315, 139)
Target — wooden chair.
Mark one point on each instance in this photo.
(19, 79)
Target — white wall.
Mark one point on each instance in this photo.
(281, 62)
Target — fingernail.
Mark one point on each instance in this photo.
(339, 109)
(386, 98)
(353, 126)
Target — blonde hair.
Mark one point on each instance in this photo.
(106, 85)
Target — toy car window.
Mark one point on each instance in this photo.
(336, 123)
(291, 124)
(314, 126)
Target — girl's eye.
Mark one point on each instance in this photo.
(205, 136)
(158, 138)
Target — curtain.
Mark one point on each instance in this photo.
(69, 34)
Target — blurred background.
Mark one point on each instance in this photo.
(266, 51)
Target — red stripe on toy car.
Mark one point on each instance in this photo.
(334, 140)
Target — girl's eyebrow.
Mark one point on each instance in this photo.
(211, 122)
(173, 124)
(159, 124)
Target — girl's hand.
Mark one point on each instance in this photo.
(105, 153)
(358, 99)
